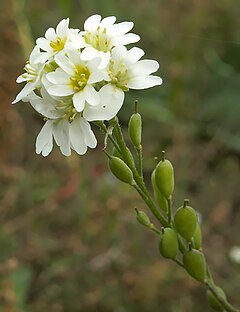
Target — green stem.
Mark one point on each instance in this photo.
(140, 185)
(226, 305)
(140, 162)
(103, 127)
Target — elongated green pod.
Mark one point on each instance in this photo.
(135, 130)
(168, 245)
(121, 170)
(161, 200)
(212, 300)
(165, 177)
(195, 264)
(185, 221)
(197, 237)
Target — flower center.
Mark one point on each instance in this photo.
(99, 40)
(118, 72)
(80, 79)
(58, 44)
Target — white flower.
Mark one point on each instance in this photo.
(32, 76)
(74, 78)
(76, 135)
(125, 72)
(56, 40)
(102, 35)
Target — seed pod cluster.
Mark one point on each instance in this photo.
(195, 264)
(168, 245)
(185, 221)
(164, 176)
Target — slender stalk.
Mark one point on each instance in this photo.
(140, 162)
(103, 127)
(169, 211)
(226, 305)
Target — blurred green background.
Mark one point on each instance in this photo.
(69, 240)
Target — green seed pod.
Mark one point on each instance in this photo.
(143, 218)
(197, 237)
(168, 245)
(161, 200)
(116, 153)
(185, 221)
(121, 170)
(135, 130)
(195, 264)
(165, 177)
(212, 300)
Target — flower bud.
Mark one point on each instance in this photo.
(161, 200)
(168, 245)
(185, 221)
(212, 300)
(135, 129)
(143, 218)
(195, 264)
(121, 170)
(197, 237)
(165, 177)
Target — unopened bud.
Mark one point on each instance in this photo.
(195, 264)
(165, 177)
(161, 200)
(168, 245)
(185, 221)
(143, 218)
(121, 170)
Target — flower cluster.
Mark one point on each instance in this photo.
(75, 77)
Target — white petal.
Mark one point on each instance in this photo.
(96, 76)
(91, 95)
(20, 79)
(62, 28)
(135, 54)
(65, 64)
(111, 100)
(92, 22)
(89, 136)
(125, 39)
(144, 82)
(89, 53)
(44, 142)
(50, 34)
(34, 54)
(108, 21)
(60, 90)
(79, 101)
(43, 43)
(119, 52)
(77, 137)
(28, 88)
(105, 58)
(61, 136)
(74, 56)
(122, 28)
(58, 77)
(144, 67)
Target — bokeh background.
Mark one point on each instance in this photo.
(69, 240)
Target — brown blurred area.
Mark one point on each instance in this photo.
(69, 240)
